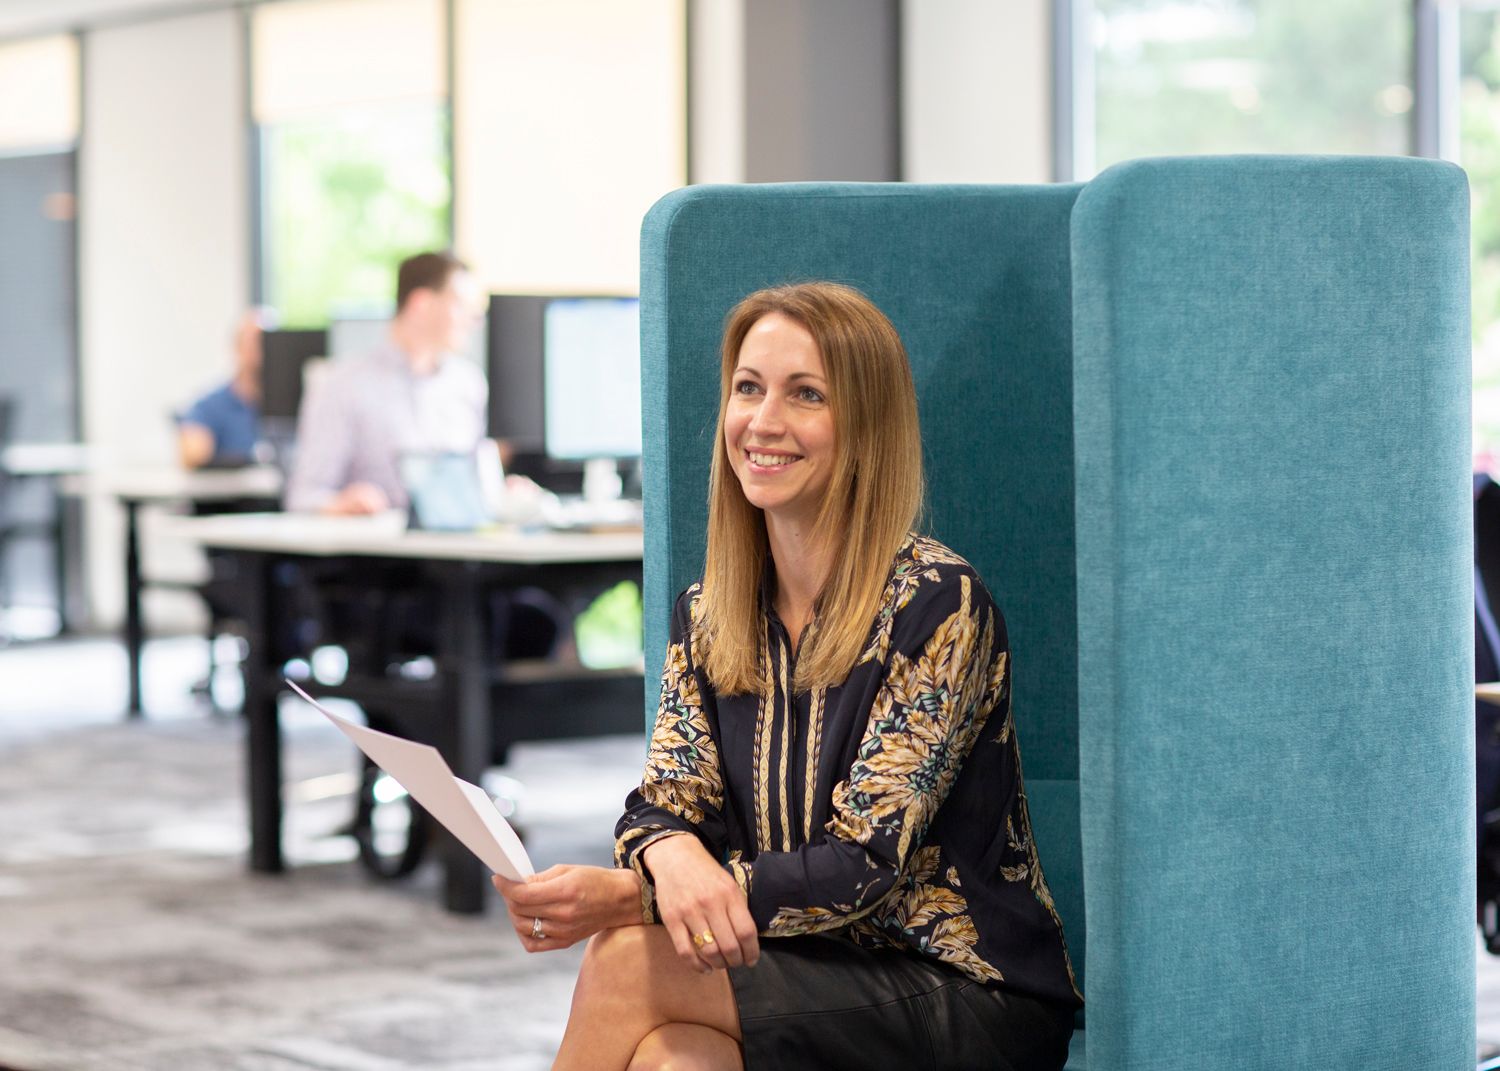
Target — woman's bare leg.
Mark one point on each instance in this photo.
(685, 1047)
(633, 983)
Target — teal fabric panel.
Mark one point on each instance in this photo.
(1078, 1059)
(976, 279)
(1275, 652)
(1053, 806)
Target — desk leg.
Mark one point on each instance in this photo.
(135, 635)
(263, 722)
(60, 557)
(466, 735)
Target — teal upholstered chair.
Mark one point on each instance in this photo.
(1202, 425)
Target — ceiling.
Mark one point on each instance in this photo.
(21, 18)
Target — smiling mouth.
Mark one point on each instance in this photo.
(771, 461)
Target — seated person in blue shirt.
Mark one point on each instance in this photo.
(223, 426)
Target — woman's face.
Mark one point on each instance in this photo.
(778, 428)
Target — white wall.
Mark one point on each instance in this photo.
(977, 91)
(164, 243)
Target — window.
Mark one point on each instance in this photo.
(349, 99)
(1230, 76)
(1479, 153)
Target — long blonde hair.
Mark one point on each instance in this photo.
(872, 502)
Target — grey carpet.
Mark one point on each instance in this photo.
(132, 935)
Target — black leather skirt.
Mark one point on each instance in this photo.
(825, 1003)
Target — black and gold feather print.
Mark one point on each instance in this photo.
(889, 808)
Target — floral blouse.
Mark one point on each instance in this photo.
(888, 809)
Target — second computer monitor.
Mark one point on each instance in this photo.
(283, 355)
(591, 375)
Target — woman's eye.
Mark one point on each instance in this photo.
(807, 394)
(744, 386)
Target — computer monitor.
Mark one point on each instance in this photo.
(591, 378)
(283, 353)
(355, 336)
(515, 369)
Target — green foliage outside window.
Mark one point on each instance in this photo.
(1479, 152)
(347, 198)
(1232, 76)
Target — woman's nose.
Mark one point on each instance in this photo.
(767, 417)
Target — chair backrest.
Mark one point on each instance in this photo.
(1274, 612)
(976, 279)
(1202, 426)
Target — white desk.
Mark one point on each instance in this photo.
(455, 706)
(46, 459)
(134, 487)
(386, 536)
(169, 484)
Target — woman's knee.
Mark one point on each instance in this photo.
(617, 951)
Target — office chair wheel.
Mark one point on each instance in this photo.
(392, 833)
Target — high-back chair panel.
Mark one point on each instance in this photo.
(1274, 575)
(976, 279)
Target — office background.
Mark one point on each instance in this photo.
(165, 163)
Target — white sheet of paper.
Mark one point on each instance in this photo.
(465, 810)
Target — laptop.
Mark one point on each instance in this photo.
(445, 492)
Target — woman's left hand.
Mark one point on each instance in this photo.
(572, 903)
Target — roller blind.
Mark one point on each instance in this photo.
(39, 94)
(569, 122)
(318, 56)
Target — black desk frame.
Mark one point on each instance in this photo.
(135, 582)
(457, 699)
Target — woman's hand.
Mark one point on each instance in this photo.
(572, 902)
(697, 898)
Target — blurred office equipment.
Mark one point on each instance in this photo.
(353, 336)
(591, 375)
(248, 489)
(565, 384)
(284, 362)
(475, 697)
(514, 361)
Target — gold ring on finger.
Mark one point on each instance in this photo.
(536, 929)
(704, 938)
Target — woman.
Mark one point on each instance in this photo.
(831, 829)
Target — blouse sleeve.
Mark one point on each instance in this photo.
(945, 677)
(682, 789)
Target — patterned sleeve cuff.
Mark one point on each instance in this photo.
(648, 903)
(741, 871)
(630, 852)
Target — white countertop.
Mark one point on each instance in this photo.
(172, 484)
(385, 536)
(46, 459)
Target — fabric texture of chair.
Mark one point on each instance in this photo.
(1202, 426)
